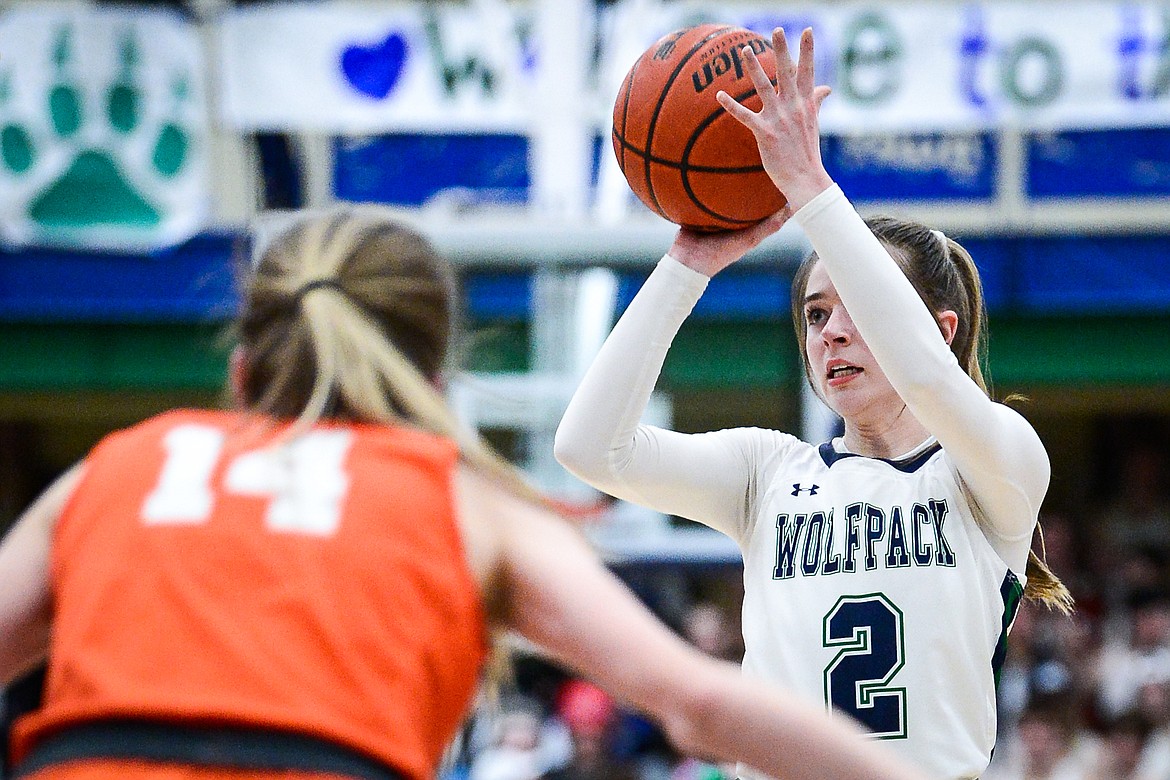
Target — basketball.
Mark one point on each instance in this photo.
(683, 155)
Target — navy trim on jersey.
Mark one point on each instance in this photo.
(1012, 592)
(830, 455)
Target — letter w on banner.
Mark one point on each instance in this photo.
(358, 68)
(103, 129)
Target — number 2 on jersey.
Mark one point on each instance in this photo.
(304, 480)
(868, 629)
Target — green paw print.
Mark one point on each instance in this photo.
(99, 160)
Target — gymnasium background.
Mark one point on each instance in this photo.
(142, 143)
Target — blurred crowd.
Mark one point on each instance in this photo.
(1088, 697)
(557, 727)
(1085, 697)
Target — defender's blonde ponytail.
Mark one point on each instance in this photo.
(349, 316)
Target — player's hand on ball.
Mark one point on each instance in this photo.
(786, 128)
(711, 252)
(682, 154)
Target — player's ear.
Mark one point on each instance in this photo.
(948, 323)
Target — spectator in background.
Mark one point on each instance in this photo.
(590, 715)
(1135, 657)
(1062, 544)
(707, 627)
(1137, 570)
(1050, 743)
(1153, 706)
(1036, 666)
(1123, 742)
(515, 752)
(1137, 516)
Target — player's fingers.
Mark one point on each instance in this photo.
(777, 220)
(761, 230)
(784, 67)
(804, 67)
(735, 108)
(758, 75)
(819, 95)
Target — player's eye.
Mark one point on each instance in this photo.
(815, 315)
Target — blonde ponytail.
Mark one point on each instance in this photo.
(1044, 586)
(349, 315)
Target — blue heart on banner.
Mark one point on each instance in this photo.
(374, 70)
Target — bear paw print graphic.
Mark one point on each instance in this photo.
(104, 164)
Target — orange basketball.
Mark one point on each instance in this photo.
(682, 154)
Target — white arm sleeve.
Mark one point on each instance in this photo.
(994, 449)
(706, 477)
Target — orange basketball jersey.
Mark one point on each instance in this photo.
(320, 586)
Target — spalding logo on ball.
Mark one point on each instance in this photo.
(683, 155)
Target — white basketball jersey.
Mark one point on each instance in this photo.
(870, 587)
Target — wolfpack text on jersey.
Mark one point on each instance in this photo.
(852, 579)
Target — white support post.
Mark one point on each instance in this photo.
(624, 43)
(572, 313)
(562, 129)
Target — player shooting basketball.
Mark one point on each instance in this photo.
(882, 569)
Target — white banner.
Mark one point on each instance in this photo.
(906, 66)
(103, 128)
(930, 66)
(338, 68)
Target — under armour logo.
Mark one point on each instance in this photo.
(797, 489)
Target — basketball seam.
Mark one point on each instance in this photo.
(685, 168)
(629, 88)
(696, 168)
(658, 108)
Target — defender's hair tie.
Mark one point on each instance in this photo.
(316, 284)
(939, 235)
